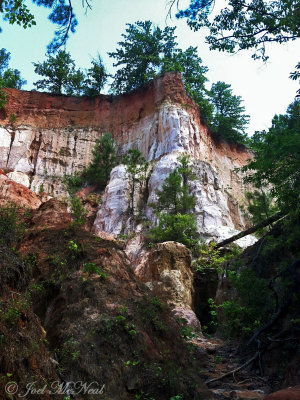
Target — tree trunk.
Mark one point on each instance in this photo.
(253, 229)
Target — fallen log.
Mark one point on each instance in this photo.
(253, 229)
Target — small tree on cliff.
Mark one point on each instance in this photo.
(104, 159)
(137, 167)
(173, 206)
(96, 77)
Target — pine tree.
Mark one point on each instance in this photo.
(104, 159)
(60, 75)
(173, 206)
(137, 167)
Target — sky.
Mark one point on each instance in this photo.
(265, 87)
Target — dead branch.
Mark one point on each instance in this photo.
(256, 355)
(253, 229)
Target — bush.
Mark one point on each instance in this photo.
(79, 213)
(11, 225)
(181, 228)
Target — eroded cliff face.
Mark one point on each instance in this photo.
(54, 136)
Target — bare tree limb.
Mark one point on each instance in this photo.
(235, 370)
(253, 229)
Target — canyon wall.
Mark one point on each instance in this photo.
(54, 135)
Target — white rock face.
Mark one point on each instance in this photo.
(113, 213)
(212, 211)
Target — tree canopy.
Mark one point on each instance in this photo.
(229, 118)
(60, 74)
(277, 158)
(61, 13)
(96, 77)
(148, 51)
(141, 54)
(9, 77)
(249, 24)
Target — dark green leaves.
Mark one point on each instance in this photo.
(229, 119)
(245, 24)
(141, 54)
(277, 158)
(103, 161)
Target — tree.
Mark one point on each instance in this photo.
(193, 75)
(277, 158)
(229, 119)
(137, 167)
(103, 161)
(62, 14)
(148, 51)
(141, 55)
(61, 75)
(261, 207)
(174, 196)
(249, 24)
(173, 206)
(9, 78)
(96, 78)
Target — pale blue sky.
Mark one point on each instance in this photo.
(265, 88)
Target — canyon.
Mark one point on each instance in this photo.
(104, 305)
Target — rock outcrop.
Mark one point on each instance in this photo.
(167, 272)
(54, 136)
(10, 191)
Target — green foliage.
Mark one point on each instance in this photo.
(229, 119)
(104, 159)
(96, 78)
(12, 226)
(260, 206)
(136, 167)
(245, 25)
(79, 213)
(172, 207)
(186, 331)
(208, 257)
(174, 196)
(277, 158)
(151, 309)
(61, 13)
(148, 51)
(16, 12)
(295, 75)
(91, 268)
(9, 78)
(73, 182)
(180, 228)
(70, 350)
(141, 55)
(253, 306)
(193, 75)
(60, 74)
(11, 311)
